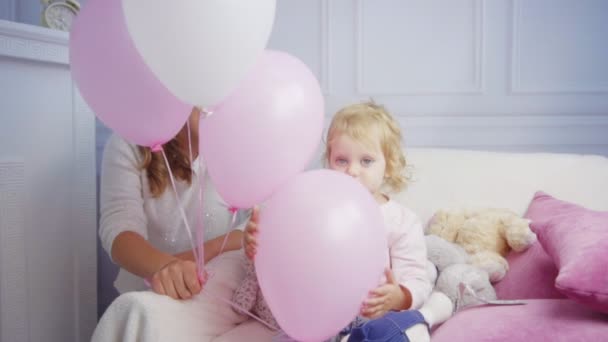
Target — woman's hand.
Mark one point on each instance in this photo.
(178, 279)
(390, 296)
(250, 237)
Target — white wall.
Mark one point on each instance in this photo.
(48, 267)
(498, 75)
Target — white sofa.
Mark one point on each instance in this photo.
(443, 178)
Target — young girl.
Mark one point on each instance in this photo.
(364, 142)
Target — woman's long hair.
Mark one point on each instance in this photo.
(156, 169)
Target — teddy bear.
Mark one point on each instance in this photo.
(487, 234)
(463, 283)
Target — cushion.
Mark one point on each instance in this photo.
(576, 239)
(531, 275)
(538, 320)
(532, 272)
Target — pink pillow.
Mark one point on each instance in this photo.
(532, 272)
(576, 239)
(531, 275)
(538, 320)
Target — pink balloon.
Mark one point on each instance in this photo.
(321, 248)
(265, 132)
(116, 83)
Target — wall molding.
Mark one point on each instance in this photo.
(478, 86)
(561, 120)
(517, 85)
(490, 115)
(569, 132)
(14, 314)
(325, 39)
(23, 41)
(84, 214)
(594, 149)
(79, 105)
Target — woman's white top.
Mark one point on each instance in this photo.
(126, 204)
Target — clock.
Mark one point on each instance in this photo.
(59, 14)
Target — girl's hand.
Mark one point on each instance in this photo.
(250, 237)
(178, 279)
(390, 296)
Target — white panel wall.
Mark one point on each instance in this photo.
(561, 50)
(394, 55)
(8, 10)
(48, 272)
(499, 75)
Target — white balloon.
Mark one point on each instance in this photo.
(200, 49)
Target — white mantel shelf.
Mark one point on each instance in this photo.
(36, 43)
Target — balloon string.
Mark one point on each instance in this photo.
(200, 229)
(234, 212)
(200, 232)
(211, 274)
(189, 142)
(240, 309)
(231, 228)
(199, 257)
(181, 208)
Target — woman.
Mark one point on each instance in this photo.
(142, 229)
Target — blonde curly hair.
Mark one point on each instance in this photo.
(366, 122)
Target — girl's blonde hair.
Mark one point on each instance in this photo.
(365, 122)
